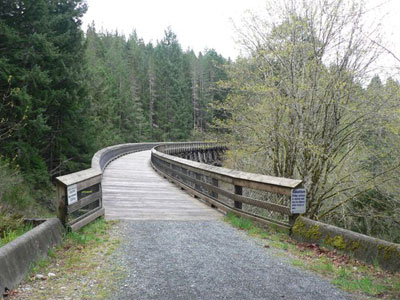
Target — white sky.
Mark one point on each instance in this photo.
(197, 24)
(207, 23)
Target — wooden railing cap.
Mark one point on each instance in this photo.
(78, 176)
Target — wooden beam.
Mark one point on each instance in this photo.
(83, 202)
(90, 218)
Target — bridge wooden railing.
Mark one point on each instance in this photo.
(262, 198)
(79, 194)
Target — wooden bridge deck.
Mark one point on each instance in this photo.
(132, 190)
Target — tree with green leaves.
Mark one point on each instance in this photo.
(297, 105)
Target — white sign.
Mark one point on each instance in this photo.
(72, 194)
(298, 205)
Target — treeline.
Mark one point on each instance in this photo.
(66, 94)
(140, 92)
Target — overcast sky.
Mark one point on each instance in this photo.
(207, 23)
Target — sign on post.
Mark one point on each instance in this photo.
(72, 194)
(298, 201)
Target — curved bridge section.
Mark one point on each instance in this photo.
(129, 189)
(133, 191)
(79, 195)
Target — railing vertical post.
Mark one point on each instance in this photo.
(238, 191)
(61, 203)
(197, 186)
(214, 183)
(101, 196)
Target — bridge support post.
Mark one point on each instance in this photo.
(292, 220)
(238, 191)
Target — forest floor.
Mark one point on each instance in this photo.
(88, 264)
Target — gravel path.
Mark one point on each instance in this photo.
(208, 260)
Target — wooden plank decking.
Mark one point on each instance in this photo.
(132, 190)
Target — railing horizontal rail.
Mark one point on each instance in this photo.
(83, 202)
(272, 184)
(212, 183)
(263, 204)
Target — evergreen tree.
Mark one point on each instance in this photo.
(171, 106)
(137, 63)
(100, 90)
(41, 58)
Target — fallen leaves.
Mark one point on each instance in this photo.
(337, 259)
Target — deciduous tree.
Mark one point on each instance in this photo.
(296, 101)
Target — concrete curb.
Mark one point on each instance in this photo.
(362, 247)
(17, 256)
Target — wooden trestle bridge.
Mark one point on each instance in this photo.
(123, 184)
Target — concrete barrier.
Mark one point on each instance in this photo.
(17, 256)
(362, 247)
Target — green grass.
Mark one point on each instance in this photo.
(349, 275)
(297, 262)
(82, 254)
(322, 266)
(241, 223)
(90, 236)
(345, 280)
(39, 265)
(11, 234)
(93, 233)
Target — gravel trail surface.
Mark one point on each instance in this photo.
(208, 260)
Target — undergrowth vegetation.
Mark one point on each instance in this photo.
(343, 271)
(13, 190)
(17, 201)
(11, 234)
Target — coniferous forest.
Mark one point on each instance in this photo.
(67, 93)
(300, 104)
